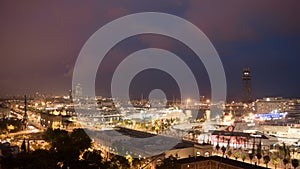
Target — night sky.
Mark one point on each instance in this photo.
(40, 41)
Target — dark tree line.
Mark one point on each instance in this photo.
(169, 163)
(68, 150)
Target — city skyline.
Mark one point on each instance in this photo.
(149, 84)
(41, 41)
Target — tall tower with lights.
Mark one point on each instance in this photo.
(246, 77)
(78, 91)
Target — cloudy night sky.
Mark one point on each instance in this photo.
(40, 41)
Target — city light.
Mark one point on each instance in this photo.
(78, 89)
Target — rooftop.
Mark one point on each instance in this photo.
(221, 160)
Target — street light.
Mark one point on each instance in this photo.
(207, 101)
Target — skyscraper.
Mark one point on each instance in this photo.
(78, 91)
(246, 77)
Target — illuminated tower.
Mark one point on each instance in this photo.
(70, 95)
(78, 91)
(246, 77)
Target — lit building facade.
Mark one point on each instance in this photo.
(237, 109)
(214, 162)
(78, 91)
(59, 119)
(294, 111)
(270, 104)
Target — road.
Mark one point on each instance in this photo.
(23, 132)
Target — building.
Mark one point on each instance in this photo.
(106, 104)
(247, 89)
(279, 104)
(294, 111)
(183, 150)
(78, 91)
(270, 104)
(214, 162)
(187, 149)
(237, 109)
(281, 131)
(59, 119)
(240, 139)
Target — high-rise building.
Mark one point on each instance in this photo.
(271, 104)
(294, 111)
(246, 77)
(70, 95)
(78, 91)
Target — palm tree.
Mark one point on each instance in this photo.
(236, 155)
(295, 163)
(294, 150)
(275, 162)
(259, 154)
(228, 143)
(244, 157)
(229, 153)
(251, 156)
(267, 160)
(223, 150)
(285, 162)
(280, 152)
(286, 151)
(217, 148)
(245, 144)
